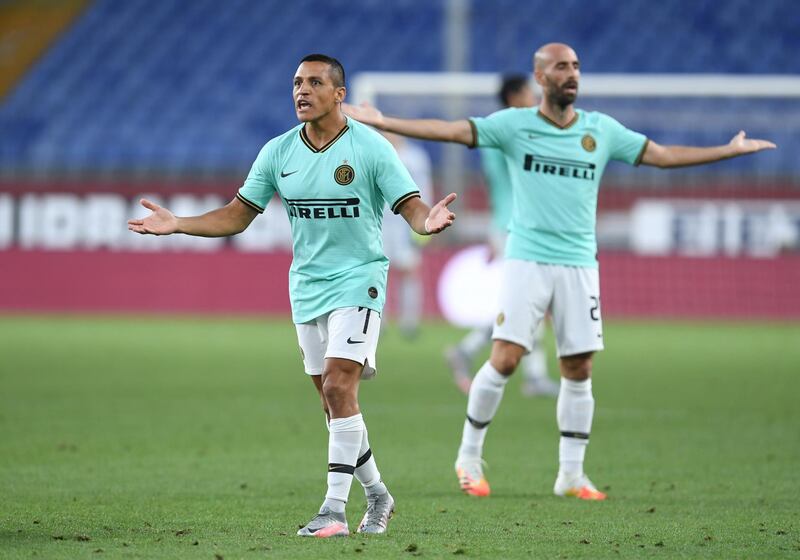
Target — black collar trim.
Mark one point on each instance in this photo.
(307, 141)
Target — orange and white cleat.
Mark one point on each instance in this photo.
(577, 487)
(470, 477)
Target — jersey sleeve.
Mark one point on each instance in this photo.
(259, 186)
(391, 176)
(491, 131)
(624, 144)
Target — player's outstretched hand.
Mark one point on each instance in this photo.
(440, 217)
(364, 113)
(160, 222)
(744, 145)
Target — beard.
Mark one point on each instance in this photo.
(559, 96)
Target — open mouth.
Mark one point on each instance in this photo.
(303, 104)
(571, 87)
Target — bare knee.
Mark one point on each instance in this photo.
(577, 367)
(334, 387)
(506, 356)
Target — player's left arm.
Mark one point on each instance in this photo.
(682, 156)
(425, 220)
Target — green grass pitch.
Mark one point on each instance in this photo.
(142, 437)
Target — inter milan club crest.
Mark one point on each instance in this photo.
(344, 174)
(588, 143)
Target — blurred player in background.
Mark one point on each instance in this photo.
(334, 177)
(401, 245)
(557, 155)
(515, 91)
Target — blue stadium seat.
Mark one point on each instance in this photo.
(197, 87)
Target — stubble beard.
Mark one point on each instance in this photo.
(561, 99)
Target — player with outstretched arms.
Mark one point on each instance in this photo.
(556, 155)
(334, 176)
(515, 91)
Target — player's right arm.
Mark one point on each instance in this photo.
(231, 219)
(460, 132)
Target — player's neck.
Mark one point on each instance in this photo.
(561, 116)
(323, 130)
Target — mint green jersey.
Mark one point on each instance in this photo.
(495, 169)
(335, 196)
(555, 176)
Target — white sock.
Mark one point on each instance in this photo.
(367, 470)
(344, 441)
(475, 341)
(574, 413)
(410, 304)
(485, 395)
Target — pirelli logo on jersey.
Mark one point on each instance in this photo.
(323, 208)
(561, 167)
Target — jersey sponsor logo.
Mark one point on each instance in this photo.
(284, 174)
(588, 143)
(323, 208)
(561, 167)
(344, 174)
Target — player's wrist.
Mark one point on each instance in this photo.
(179, 226)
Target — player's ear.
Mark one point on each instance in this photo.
(339, 94)
(538, 75)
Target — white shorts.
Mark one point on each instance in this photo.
(349, 332)
(571, 294)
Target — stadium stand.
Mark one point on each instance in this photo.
(184, 86)
(675, 36)
(174, 87)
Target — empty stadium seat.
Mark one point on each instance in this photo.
(197, 87)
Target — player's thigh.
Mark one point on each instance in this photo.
(353, 334)
(575, 310)
(526, 290)
(313, 339)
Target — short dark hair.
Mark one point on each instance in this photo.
(336, 68)
(512, 83)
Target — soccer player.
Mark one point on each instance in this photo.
(556, 155)
(515, 91)
(399, 244)
(334, 176)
